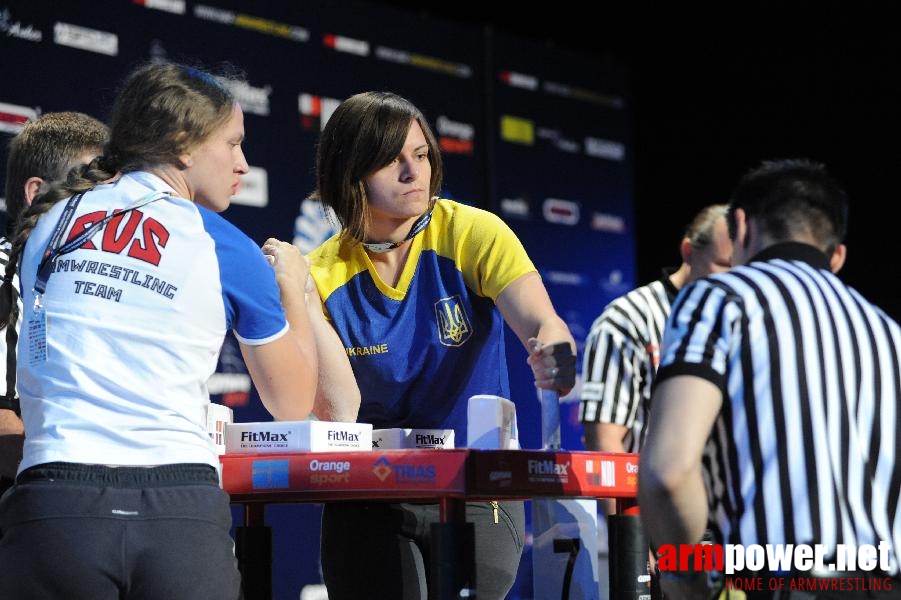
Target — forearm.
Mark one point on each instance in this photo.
(303, 334)
(11, 439)
(671, 490)
(605, 437)
(10, 423)
(285, 370)
(337, 394)
(673, 511)
(528, 311)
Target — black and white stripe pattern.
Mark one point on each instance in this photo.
(620, 359)
(806, 448)
(5, 248)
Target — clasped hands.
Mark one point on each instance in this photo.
(553, 365)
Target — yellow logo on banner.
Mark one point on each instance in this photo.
(517, 130)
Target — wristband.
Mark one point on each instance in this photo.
(11, 403)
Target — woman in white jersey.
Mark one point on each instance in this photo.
(130, 281)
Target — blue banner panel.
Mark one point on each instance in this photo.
(561, 164)
(562, 179)
(539, 135)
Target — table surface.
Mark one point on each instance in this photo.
(425, 474)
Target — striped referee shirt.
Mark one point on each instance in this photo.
(5, 248)
(621, 353)
(806, 446)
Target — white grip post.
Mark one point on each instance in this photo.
(550, 419)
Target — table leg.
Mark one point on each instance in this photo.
(452, 553)
(628, 556)
(253, 549)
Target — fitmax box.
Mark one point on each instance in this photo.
(397, 437)
(301, 436)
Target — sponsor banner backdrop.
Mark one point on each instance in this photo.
(539, 136)
(562, 179)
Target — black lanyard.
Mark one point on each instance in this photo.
(55, 250)
(420, 224)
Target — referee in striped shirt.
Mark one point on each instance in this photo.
(622, 348)
(794, 378)
(43, 151)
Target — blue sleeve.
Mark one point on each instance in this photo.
(253, 308)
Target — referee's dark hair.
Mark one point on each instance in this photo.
(791, 198)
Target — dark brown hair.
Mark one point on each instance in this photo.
(48, 147)
(365, 133)
(793, 198)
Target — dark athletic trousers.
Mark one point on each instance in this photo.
(88, 532)
(380, 551)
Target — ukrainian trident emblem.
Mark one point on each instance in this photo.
(454, 327)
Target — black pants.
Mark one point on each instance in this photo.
(380, 551)
(88, 532)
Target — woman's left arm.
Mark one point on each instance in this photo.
(527, 309)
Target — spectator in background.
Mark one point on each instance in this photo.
(43, 152)
(622, 348)
(774, 417)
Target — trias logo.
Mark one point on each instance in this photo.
(263, 436)
(414, 473)
(337, 435)
(548, 467)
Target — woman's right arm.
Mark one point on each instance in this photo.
(337, 396)
(285, 371)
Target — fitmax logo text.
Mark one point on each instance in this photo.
(263, 436)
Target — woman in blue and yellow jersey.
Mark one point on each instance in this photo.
(418, 289)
